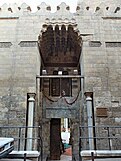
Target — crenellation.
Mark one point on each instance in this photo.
(84, 9)
(14, 7)
(63, 7)
(102, 9)
(4, 7)
(8, 10)
(43, 9)
(63, 10)
(24, 8)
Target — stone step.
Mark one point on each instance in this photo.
(34, 155)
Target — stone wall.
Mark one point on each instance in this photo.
(99, 28)
(19, 65)
(101, 64)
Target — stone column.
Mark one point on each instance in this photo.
(38, 112)
(90, 120)
(31, 103)
(75, 139)
(82, 73)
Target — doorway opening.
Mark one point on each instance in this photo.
(66, 136)
(60, 138)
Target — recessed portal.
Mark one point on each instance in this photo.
(60, 49)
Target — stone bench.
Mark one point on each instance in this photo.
(34, 155)
(100, 154)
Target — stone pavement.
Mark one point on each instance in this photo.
(106, 159)
(14, 160)
(64, 158)
(67, 158)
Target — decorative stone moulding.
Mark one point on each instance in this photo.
(5, 44)
(53, 22)
(95, 43)
(59, 24)
(113, 44)
(28, 44)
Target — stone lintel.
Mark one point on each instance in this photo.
(59, 113)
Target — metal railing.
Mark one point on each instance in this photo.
(47, 158)
(19, 133)
(104, 137)
(74, 158)
(110, 135)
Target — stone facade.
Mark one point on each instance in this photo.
(98, 30)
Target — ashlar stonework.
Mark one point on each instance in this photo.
(84, 47)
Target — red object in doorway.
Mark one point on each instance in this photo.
(68, 152)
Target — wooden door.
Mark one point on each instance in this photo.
(55, 139)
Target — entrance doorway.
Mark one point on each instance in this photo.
(66, 136)
(55, 139)
(59, 139)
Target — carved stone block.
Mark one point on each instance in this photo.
(95, 44)
(5, 44)
(28, 44)
(113, 44)
(101, 112)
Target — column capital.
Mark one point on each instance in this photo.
(31, 97)
(88, 94)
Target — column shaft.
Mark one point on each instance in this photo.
(31, 102)
(90, 122)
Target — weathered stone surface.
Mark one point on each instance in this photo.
(98, 25)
